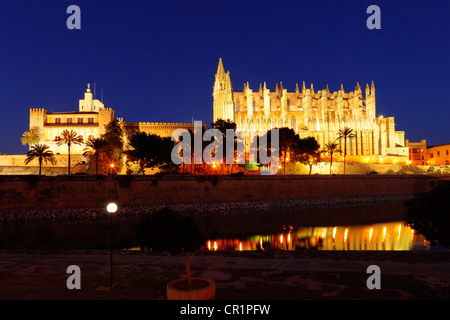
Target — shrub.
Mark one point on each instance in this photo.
(428, 214)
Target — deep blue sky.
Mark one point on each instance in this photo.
(156, 60)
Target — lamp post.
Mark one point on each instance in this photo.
(111, 208)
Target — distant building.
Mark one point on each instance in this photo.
(421, 154)
(320, 114)
(417, 152)
(89, 123)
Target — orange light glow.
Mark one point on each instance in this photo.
(334, 232)
(345, 234)
(240, 246)
(215, 245)
(370, 234)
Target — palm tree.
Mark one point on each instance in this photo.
(95, 148)
(69, 138)
(41, 152)
(331, 148)
(30, 137)
(345, 133)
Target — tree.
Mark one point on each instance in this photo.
(31, 137)
(40, 152)
(331, 148)
(151, 150)
(288, 141)
(345, 133)
(223, 126)
(97, 148)
(167, 231)
(114, 136)
(69, 138)
(428, 214)
(307, 151)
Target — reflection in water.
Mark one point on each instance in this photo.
(382, 236)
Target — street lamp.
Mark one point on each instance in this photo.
(111, 208)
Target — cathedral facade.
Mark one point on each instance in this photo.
(320, 114)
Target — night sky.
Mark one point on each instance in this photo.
(156, 60)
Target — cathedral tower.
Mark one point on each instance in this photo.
(223, 107)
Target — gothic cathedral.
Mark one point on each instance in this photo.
(319, 114)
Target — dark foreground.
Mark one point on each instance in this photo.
(301, 275)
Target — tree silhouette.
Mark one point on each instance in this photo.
(307, 151)
(42, 153)
(428, 214)
(151, 150)
(96, 148)
(168, 231)
(69, 138)
(331, 148)
(345, 133)
(223, 126)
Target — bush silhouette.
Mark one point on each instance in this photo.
(428, 214)
(168, 231)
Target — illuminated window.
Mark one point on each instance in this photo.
(69, 120)
(57, 120)
(90, 137)
(91, 120)
(80, 120)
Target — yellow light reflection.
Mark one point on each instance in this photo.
(383, 236)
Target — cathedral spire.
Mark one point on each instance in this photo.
(220, 69)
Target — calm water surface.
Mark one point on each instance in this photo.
(378, 236)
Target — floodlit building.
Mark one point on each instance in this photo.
(320, 114)
(89, 123)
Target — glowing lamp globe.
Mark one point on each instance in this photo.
(111, 207)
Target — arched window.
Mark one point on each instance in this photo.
(238, 105)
